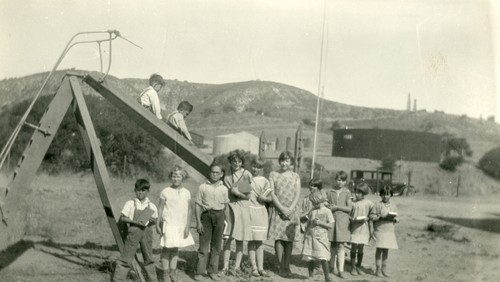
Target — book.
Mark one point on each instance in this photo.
(392, 215)
(145, 215)
(244, 186)
(360, 218)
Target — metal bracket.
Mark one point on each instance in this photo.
(45, 132)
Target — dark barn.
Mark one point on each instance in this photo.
(379, 143)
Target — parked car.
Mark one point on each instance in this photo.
(376, 179)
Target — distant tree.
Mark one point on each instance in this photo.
(318, 169)
(454, 152)
(335, 125)
(491, 118)
(490, 163)
(118, 136)
(387, 163)
(427, 126)
(308, 121)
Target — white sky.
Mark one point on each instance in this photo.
(440, 51)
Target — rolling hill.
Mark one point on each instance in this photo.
(258, 105)
(279, 109)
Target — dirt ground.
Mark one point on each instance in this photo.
(68, 239)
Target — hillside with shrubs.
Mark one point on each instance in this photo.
(235, 106)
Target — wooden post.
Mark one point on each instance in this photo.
(409, 182)
(124, 173)
(262, 144)
(298, 149)
(288, 143)
(277, 146)
(458, 184)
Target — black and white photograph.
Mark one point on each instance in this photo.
(250, 140)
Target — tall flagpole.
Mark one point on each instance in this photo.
(320, 82)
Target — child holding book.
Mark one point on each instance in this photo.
(211, 201)
(259, 223)
(340, 203)
(140, 215)
(314, 185)
(175, 211)
(239, 182)
(176, 119)
(360, 227)
(384, 215)
(316, 244)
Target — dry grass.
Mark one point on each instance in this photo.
(441, 238)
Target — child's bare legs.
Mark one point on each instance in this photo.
(279, 249)
(256, 256)
(333, 256)
(252, 245)
(239, 254)
(169, 258)
(340, 257)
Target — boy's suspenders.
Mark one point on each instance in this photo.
(139, 100)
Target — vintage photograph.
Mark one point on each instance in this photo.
(219, 140)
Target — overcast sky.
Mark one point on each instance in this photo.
(378, 51)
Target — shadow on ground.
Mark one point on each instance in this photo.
(485, 224)
(87, 255)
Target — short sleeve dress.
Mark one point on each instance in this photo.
(258, 213)
(284, 186)
(340, 232)
(239, 225)
(316, 243)
(384, 231)
(360, 233)
(174, 218)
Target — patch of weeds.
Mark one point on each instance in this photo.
(445, 231)
(105, 267)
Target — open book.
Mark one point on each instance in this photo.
(392, 215)
(360, 218)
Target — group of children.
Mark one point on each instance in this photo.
(244, 206)
(150, 100)
(332, 220)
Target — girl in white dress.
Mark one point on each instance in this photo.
(175, 212)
